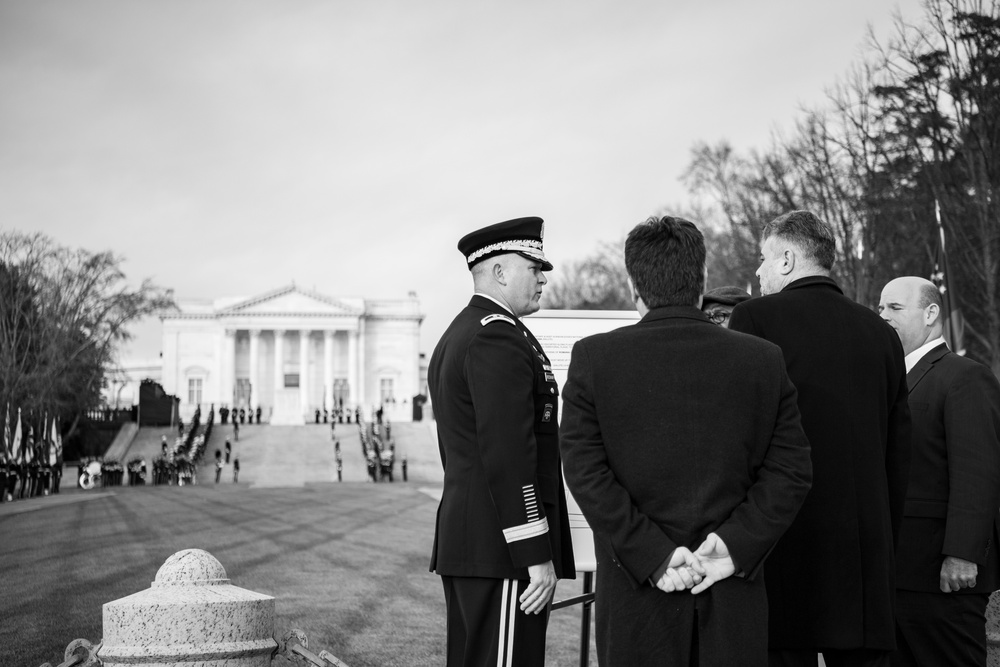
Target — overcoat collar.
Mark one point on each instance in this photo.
(813, 281)
(675, 312)
(925, 364)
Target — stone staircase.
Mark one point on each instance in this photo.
(122, 443)
(292, 456)
(146, 443)
(418, 441)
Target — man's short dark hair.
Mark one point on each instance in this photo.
(813, 236)
(665, 258)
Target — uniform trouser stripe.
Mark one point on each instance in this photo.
(508, 614)
(486, 627)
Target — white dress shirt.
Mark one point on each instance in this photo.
(913, 357)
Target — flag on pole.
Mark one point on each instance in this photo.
(954, 324)
(57, 438)
(8, 450)
(29, 449)
(17, 448)
(53, 437)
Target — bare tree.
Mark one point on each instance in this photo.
(597, 282)
(940, 89)
(64, 312)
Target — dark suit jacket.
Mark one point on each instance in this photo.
(953, 498)
(830, 580)
(674, 428)
(503, 506)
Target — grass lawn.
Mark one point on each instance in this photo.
(346, 563)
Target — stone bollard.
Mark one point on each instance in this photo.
(191, 616)
(993, 631)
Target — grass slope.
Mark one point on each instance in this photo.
(346, 563)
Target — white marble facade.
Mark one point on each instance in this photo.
(293, 351)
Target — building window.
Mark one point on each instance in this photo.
(385, 391)
(291, 379)
(194, 391)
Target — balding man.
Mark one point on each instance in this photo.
(830, 579)
(502, 535)
(947, 562)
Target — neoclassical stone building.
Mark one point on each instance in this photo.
(293, 351)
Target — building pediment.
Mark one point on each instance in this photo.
(292, 300)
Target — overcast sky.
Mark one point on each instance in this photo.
(231, 147)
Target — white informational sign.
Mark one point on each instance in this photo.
(557, 331)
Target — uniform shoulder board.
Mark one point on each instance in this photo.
(496, 317)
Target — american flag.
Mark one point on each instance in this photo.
(954, 324)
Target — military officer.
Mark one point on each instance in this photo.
(502, 536)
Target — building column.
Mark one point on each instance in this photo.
(228, 367)
(304, 370)
(328, 370)
(361, 361)
(352, 368)
(279, 362)
(254, 366)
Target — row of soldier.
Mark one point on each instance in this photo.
(337, 415)
(19, 480)
(239, 416)
(30, 456)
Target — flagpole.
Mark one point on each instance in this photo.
(941, 268)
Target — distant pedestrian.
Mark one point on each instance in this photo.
(236, 431)
(218, 465)
(236, 469)
(229, 449)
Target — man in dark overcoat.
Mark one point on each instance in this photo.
(830, 580)
(947, 563)
(502, 534)
(682, 444)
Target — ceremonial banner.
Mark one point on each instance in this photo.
(18, 449)
(954, 323)
(53, 446)
(8, 445)
(29, 449)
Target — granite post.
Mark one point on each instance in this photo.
(190, 616)
(993, 631)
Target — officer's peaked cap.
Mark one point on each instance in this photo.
(521, 235)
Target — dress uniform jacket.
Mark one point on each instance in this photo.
(503, 505)
(954, 490)
(674, 428)
(830, 580)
